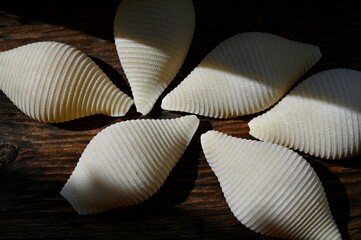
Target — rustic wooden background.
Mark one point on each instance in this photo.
(36, 158)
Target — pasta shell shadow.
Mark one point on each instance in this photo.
(183, 176)
(114, 76)
(336, 195)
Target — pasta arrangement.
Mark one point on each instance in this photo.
(269, 188)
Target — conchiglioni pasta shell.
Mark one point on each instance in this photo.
(269, 188)
(321, 116)
(127, 163)
(245, 74)
(152, 38)
(54, 82)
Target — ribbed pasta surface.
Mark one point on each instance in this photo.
(127, 163)
(152, 38)
(321, 116)
(245, 74)
(54, 82)
(269, 188)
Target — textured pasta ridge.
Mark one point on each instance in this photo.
(152, 38)
(127, 162)
(269, 188)
(245, 74)
(54, 82)
(321, 116)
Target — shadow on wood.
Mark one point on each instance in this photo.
(336, 196)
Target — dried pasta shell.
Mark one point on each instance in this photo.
(321, 116)
(245, 74)
(54, 82)
(269, 188)
(152, 38)
(127, 163)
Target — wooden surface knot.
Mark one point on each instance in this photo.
(8, 153)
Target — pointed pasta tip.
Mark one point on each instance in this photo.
(143, 107)
(151, 54)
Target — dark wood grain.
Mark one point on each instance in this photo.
(37, 158)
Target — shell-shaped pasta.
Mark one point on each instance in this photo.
(269, 188)
(127, 163)
(321, 116)
(54, 82)
(245, 74)
(152, 38)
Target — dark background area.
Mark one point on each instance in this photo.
(36, 158)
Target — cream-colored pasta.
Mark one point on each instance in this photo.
(269, 188)
(245, 74)
(152, 38)
(54, 82)
(127, 163)
(321, 116)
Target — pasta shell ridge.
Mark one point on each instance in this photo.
(269, 188)
(245, 74)
(152, 39)
(127, 162)
(321, 116)
(54, 82)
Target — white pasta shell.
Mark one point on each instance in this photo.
(245, 74)
(54, 82)
(321, 116)
(127, 163)
(152, 38)
(269, 188)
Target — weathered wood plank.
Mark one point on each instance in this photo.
(36, 158)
